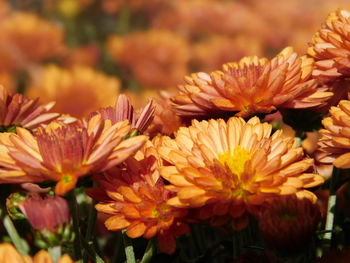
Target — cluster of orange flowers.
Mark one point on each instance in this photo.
(200, 154)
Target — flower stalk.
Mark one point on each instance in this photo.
(19, 243)
(129, 249)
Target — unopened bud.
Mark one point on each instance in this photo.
(12, 205)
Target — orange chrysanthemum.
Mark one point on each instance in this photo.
(17, 110)
(65, 86)
(230, 168)
(157, 58)
(252, 86)
(135, 196)
(65, 152)
(9, 254)
(26, 38)
(330, 46)
(335, 142)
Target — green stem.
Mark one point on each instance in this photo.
(19, 243)
(91, 252)
(90, 228)
(55, 253)
(75, 217)
(129, 250)
(149, 252)
(330, 218)
(332, 201)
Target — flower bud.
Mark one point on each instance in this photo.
(49, 217)
(12, 206)
(288, 223)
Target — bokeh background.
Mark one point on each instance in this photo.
(84, 53)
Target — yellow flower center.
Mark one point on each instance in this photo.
(237, 162)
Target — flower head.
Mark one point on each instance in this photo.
(288, 223)
(64, 152)
(227, 169)
(17, 110)
(251, 86)
(330, 46)
(26, 38)
(9, 254)
(77, 91)
(156, 58)
(335, 141)
(136, 198)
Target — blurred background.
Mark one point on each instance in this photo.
(83, 53)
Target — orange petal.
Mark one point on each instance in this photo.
(343, 161)
(136, 229)
(116, 222)
(129, 194)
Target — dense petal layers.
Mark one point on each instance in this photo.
(136, 198)
(334, 146)
(229, 168)
(330, 46)
(64, 152)
(250, 86)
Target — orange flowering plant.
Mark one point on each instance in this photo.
(174, 131)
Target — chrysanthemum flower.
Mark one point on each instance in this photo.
(335, 142)
(330, 46)
(94, 89)
(123, 110)
(251, 86)
(156, 58)
(26, 38)
(17, 110)
(135, 197)
(231, 168)
(287, 223)
(9, 254)
(65, 152)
